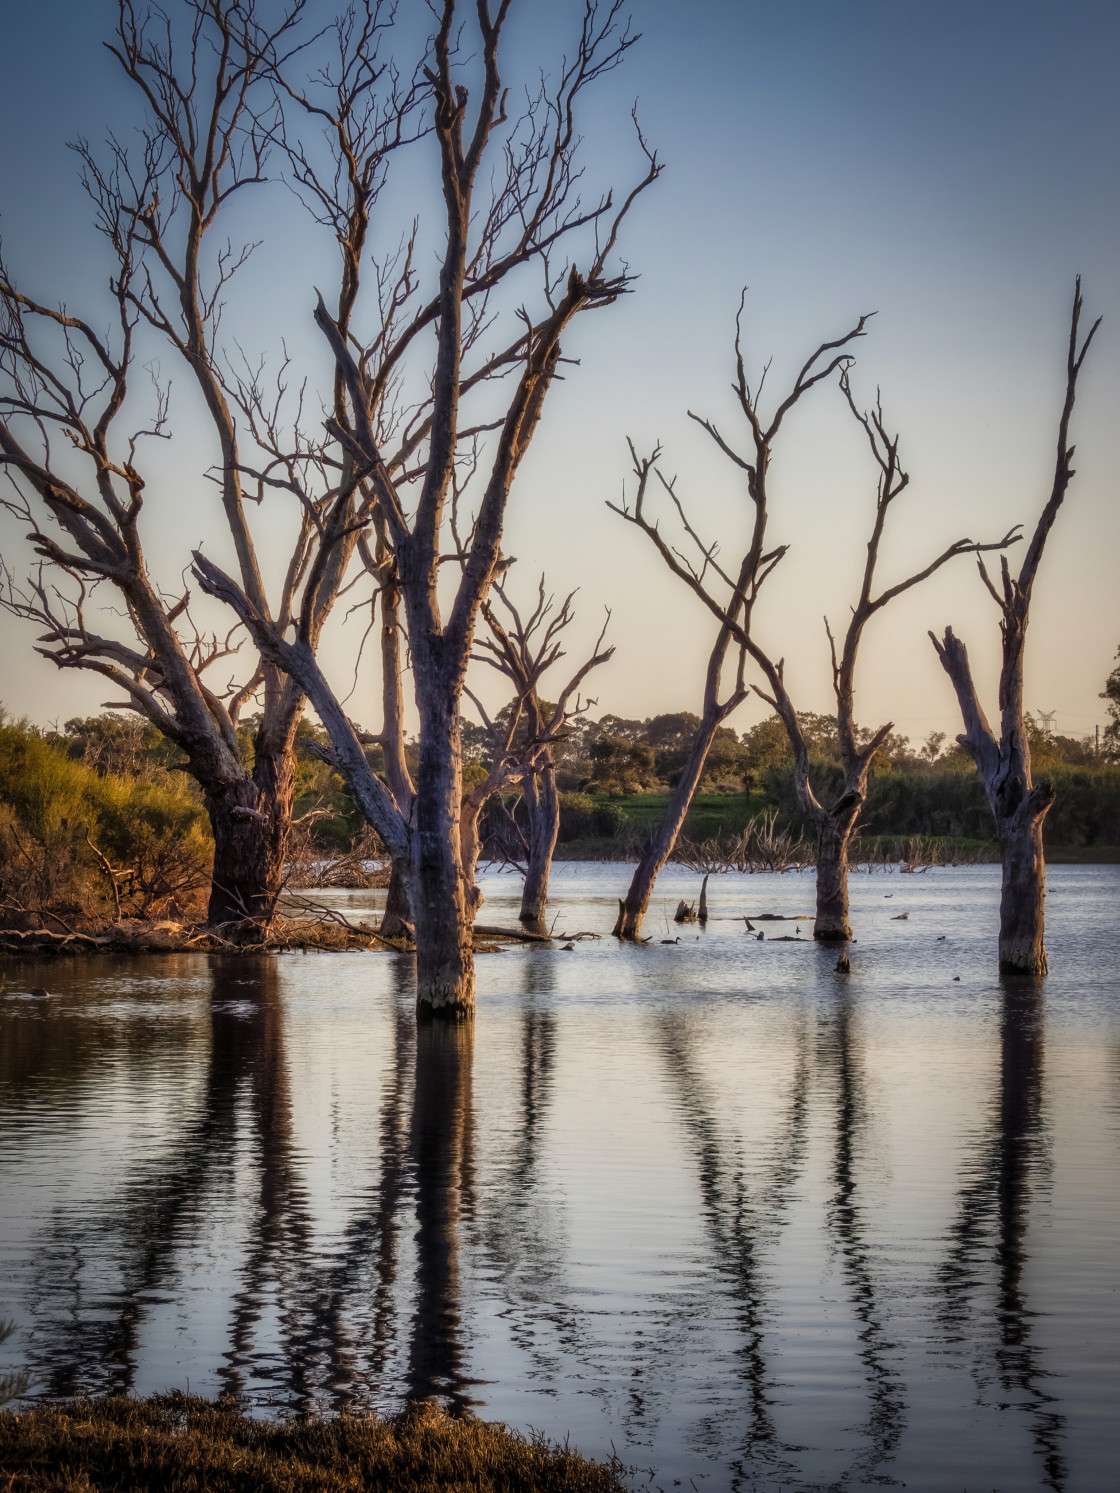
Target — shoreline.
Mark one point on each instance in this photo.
(214, 1446)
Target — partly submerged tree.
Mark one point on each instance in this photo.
(509, 201)
(524, 648)
(835, 823)
(732, 594)
(75, 419)
(1018, 804)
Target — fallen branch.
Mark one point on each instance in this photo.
(520, 935)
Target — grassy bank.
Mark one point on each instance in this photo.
(188, 1444)
(722, 816)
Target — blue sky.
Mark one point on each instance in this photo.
(951, 166)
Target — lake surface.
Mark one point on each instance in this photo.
(745, 1220)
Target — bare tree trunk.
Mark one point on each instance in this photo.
(634, 906)
(441, 914)
(251, 819)
(408, 473)
(397, 916)
(1004, 762)
(470, 847)
(1021, 947)
(833, 836)
(542, 805)
(245, 881)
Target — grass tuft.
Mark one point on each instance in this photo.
(180, 1443)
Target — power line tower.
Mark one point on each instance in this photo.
(1047, 719)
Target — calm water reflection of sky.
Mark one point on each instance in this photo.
(748, 1221)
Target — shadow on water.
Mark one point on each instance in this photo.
(744, 1218)
(840, 1055)
(987, 1251)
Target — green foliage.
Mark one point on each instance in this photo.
(583, 817)
(57, 813)
(1110, 741)
(1049, 750)
(619, 766)
(953, 803)
(121, 744)
(325, 818)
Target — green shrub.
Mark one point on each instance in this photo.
(65, 828)
(953, 803)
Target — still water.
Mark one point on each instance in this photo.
(745, 1220)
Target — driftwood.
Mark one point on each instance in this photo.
(518, 935)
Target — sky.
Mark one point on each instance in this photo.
(948, 166)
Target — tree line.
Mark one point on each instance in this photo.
(468, 247)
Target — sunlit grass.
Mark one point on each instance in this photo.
(183, 1444)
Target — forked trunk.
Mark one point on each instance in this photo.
(1021, 921)
(832, 925)
(542, 805)
(251, 821)
(633, 908)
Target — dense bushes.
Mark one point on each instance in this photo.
(70, 836)
(1087, 810)
(582, 816)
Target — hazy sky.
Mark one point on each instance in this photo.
(948, 165)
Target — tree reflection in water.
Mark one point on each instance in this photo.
(519, 1231)
(306, 1325)
(840, 1055)
(988, 1240)
(743, 1219)
(94, 1290)
(278, 1223)
(442, 1157)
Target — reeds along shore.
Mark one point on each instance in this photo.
(764, 846)
(198, 1446)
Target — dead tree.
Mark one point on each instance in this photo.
(1018, 804)
(733, 605)
(524, 649)
(205, 75)
(834, 824)
(730, 593)
(524, 215)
